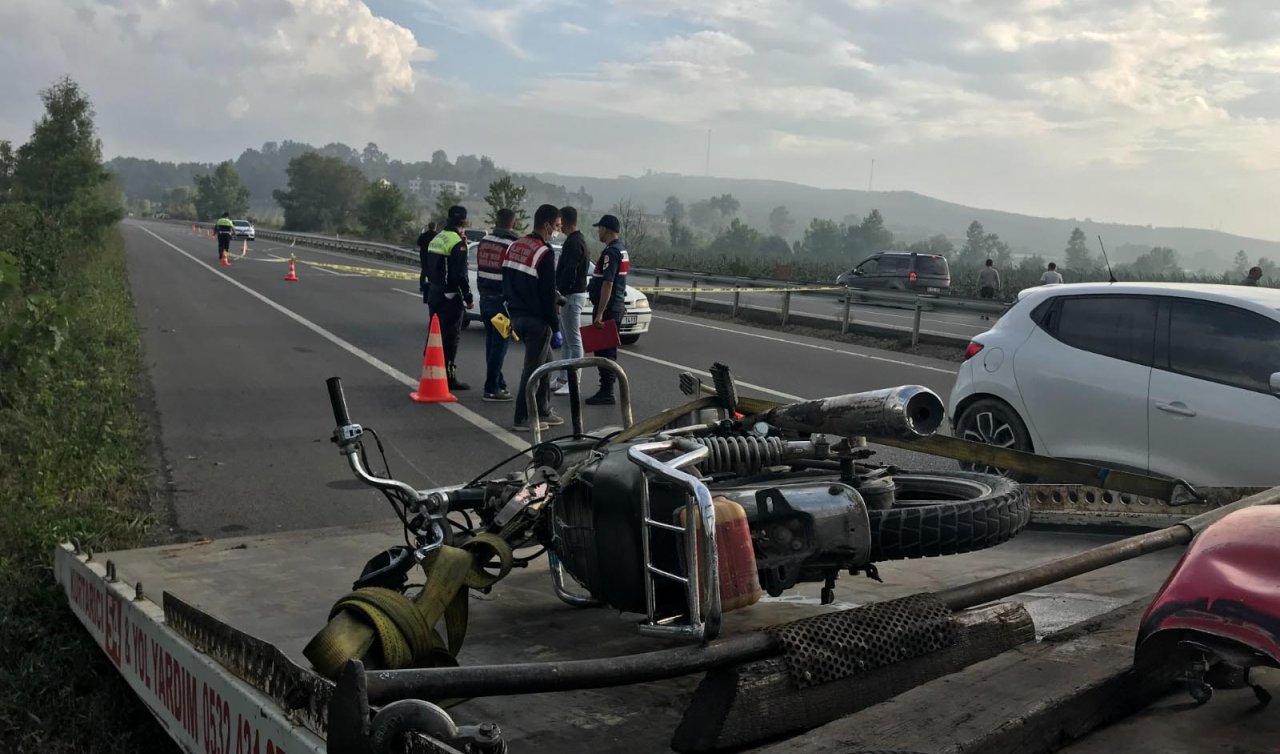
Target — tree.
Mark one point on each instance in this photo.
(780, 222)
(823, 238)
(179, 203)
(870, 236)
(938, 245)
(1077, 257)
(373, 157)
(221, 192)
(974, 251)
(505, 194)
(635, 228)
(674, 210)
(8, 162)
(1241, 263)
(1160, 262)
(61, 165)
(383, 212)
(445, 200)
(323, 194)
(738, 239)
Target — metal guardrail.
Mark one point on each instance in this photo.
(919, 303)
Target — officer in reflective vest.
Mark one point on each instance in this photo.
(223, 227)
(448, 290)
(491, 252)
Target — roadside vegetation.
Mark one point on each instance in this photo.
(72, 443)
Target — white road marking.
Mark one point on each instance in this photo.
(415, 294)
(683, 368)
(462, 412)
(814, 346)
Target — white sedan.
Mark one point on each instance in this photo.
(1178, 381)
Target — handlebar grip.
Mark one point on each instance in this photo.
(338, 401)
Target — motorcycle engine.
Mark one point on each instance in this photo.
(800, 531)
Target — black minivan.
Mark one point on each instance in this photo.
(900, 271)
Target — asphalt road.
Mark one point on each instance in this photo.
(238, 358)
(958, 324)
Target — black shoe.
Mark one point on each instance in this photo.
(454, 382)
(601, 399)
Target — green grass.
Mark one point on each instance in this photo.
(72, 450)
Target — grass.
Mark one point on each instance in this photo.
(72, 450)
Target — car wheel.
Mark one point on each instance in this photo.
(994, 422)
(628, 340)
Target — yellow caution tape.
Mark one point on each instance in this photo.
(664, 289)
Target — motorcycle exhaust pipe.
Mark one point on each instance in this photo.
(908, 412)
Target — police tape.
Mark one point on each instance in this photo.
(401, 275)
(743, 289)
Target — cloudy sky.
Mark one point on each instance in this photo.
(1146, 111)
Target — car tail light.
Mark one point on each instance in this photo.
(973, 350)
(912, 277)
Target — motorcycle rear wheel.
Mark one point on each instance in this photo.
(947, 514)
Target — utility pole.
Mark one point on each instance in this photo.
(707, 171)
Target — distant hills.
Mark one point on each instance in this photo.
(913, 216)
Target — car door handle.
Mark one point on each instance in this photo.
(1177, 407)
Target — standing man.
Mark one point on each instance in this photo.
(424, 240)
(223, 228)
(448, 289)
(1255, 274)
(988, 282)
(608, 291)
(1051, 275)
(529, 282)
(490, 254)
(571, 282)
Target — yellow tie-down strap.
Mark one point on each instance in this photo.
(370, 271)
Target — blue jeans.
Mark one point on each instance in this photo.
(495, 346)
(570, 322)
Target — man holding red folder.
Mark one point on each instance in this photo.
(608, 290)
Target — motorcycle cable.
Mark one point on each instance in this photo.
(398, 503)
(526, 451)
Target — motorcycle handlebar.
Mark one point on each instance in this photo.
(338, 401)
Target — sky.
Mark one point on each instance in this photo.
(1163, 112)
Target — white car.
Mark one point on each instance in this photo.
(243, 229)
(634, 323)
(1174, 380)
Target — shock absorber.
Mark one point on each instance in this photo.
(748, 455)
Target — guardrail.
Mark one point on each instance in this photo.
(918, 303)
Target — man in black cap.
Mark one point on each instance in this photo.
(608, 292)
(448, 289)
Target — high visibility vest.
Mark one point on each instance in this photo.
(444, 242)
(223, 225)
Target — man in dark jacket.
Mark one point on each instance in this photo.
(571, 282)
(424, 240)
(608, 291)
(490, 254)
(529, 283)
(448, 289)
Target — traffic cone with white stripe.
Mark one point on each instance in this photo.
(292, 277)
(433, 385)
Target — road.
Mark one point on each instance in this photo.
(956, 324)
(238, 359)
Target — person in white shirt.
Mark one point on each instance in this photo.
(988, 282)
(1051, 275)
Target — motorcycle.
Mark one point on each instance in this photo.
(679, 518)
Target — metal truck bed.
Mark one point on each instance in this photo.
(279, 588)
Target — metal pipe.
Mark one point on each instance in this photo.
(1017, 582)
(908, 411)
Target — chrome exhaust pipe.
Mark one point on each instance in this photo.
(908, 412)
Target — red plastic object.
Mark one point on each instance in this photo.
(1226, 586)
(600, 337)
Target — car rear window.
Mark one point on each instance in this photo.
(1122, 327)
(929, 265)
(1223, 344)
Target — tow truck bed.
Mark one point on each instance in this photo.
(279, 588)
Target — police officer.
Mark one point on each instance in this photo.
(223, 227)
(490, 253)
(448, 289)
(608, 290)
(529, 283)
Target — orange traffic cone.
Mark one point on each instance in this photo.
(292, 277)
(244, 248)
(433, 386)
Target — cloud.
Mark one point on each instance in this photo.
(178, 73)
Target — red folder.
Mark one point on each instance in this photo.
(600, 337)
